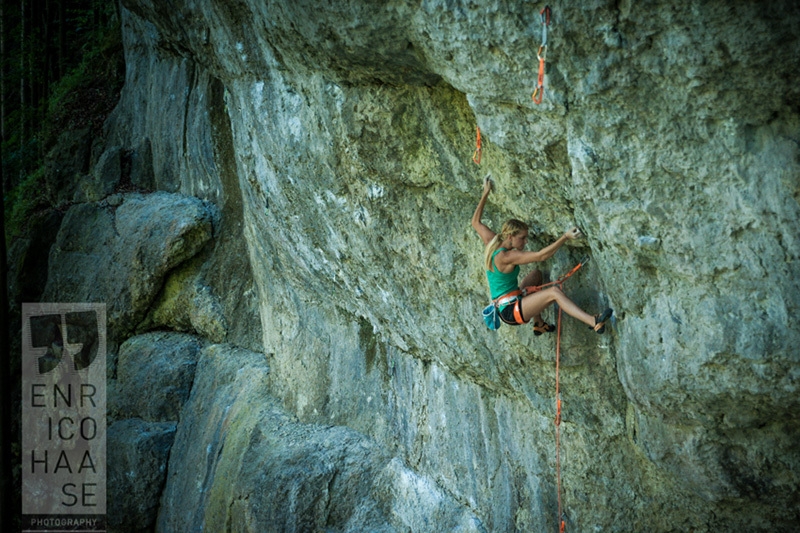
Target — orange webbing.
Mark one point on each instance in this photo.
(538, 93)
(476, 156)
(560, 281)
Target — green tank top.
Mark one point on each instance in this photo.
(500, 283)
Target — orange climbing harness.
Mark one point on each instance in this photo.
(538, 93)
(515, 295)
(476, 156)
(526, 290)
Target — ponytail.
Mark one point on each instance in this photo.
(493, 245)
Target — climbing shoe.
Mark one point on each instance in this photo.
(544, 327)
(600, 321)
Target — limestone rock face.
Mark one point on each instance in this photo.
(240, 462)
(119, 252)
(154, 376)
(336, 139)
(137, 469)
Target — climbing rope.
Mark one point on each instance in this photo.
(560, 516)
(560, 282)
(538, 93)
(476, 156)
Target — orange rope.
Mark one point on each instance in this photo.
(560, 518)
(560, 282)
(476, 156)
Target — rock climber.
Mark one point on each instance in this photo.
(503, 255)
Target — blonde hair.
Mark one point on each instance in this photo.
(510, 228)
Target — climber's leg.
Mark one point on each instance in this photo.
(533, 304)
(533, 279)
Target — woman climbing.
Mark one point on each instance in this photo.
(503, 256)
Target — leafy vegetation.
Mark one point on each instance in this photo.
(62, 69)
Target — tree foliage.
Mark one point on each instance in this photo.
(62, 69)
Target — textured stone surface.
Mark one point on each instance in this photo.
(137, 469)
(105, 177)
(154, 376)
(240, 462)
(173, 121)
(119, 252)
(67, 165)
(339, 136)
(185, 304)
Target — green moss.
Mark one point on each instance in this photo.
(367, 341)
(82, 98)
(87, 93)
(239, 441)
(171, 308)
(22, 202)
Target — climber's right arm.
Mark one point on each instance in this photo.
(483, 230)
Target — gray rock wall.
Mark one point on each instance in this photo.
(119, 251)
(339, 136)
(240, 462)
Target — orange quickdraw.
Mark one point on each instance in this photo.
(476, 156)
(538, 93)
